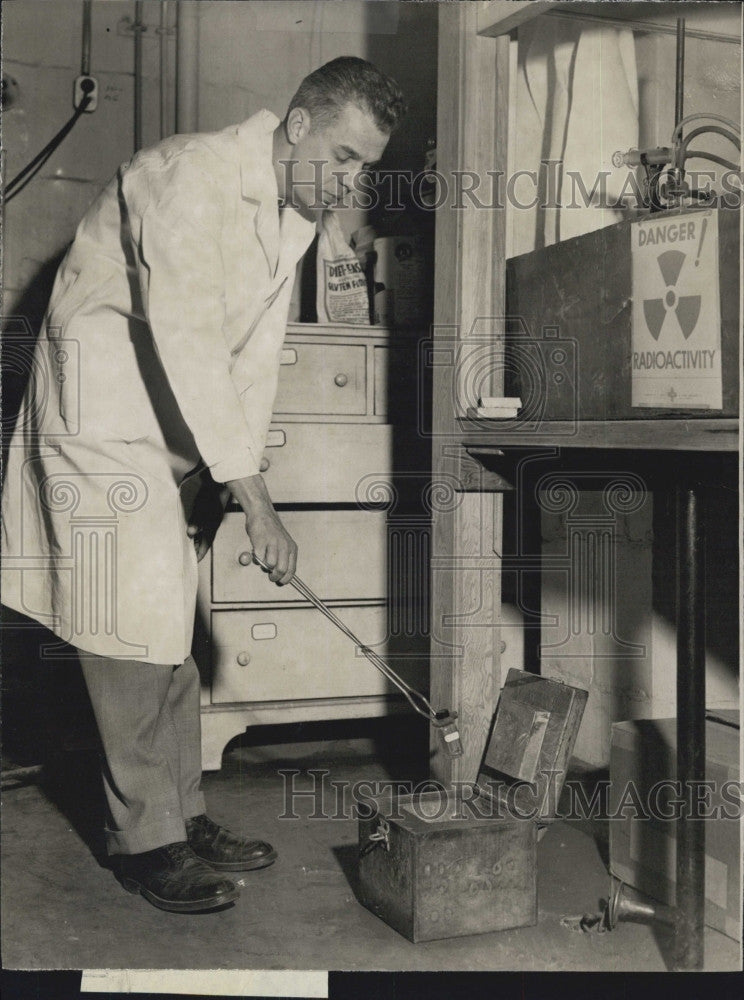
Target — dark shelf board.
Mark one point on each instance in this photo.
(699, 434)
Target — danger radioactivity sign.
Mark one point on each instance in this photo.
(676, 338)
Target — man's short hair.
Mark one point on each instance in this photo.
(350, 80)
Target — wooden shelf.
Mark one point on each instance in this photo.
(500, 17)
(702, 434)
(357, 331)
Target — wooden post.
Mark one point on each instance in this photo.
(468, 334)
(690, 891)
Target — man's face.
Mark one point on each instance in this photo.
(328, 161)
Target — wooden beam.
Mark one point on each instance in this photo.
(476, 477)
(699, 434)
(499, 17)
(468, 329)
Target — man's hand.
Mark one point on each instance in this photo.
(271, 542)
(206, 515)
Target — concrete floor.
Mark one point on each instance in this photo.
(63, 909)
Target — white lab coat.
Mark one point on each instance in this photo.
(160, 351)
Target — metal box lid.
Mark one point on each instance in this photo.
(533, 735)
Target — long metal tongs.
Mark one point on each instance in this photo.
(444, 721)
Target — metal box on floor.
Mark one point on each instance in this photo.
(463, 860)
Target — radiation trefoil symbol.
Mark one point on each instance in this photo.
(686, 307)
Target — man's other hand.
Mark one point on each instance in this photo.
(271, 542)
(206, 515)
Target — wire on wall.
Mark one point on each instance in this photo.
(25, 176)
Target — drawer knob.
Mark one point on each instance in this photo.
(244, 659)
(245, 558)
(341, 379)
(265, 463)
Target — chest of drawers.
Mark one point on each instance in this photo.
(342, 440)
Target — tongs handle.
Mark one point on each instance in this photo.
(444, 721)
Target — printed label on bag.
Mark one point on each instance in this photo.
(345, 292)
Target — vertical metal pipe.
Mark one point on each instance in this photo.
(187, 67)
(679, 83)
(164, 69)
(138, 29)
(85, 55)
(690, 724)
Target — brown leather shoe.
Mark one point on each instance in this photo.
(173, 878)
(223, 850)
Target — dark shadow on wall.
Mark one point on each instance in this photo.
(402, 43)
(45, 702)
(721, 521)
(20, 331)
(658, 470)
(409, 55)
(48, 720)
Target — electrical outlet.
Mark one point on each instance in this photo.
(85, 86)
(10, 91)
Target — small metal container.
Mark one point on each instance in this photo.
(450, 862)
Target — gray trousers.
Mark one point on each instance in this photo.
(149, 724)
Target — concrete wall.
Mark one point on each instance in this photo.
(712, 80)
(252, 55)
(614, 620)
(255, 56)
(42, 51)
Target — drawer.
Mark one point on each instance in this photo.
(325, 463)
(322, 378)
(295, 653)
(342, 555)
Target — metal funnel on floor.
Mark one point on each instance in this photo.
(622, 909)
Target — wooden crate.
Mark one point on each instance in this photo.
(456, 861)
(568, 347)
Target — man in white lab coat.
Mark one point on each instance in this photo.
(158, 361)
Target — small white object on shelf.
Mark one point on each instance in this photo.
(497, 407)
(499, 402)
